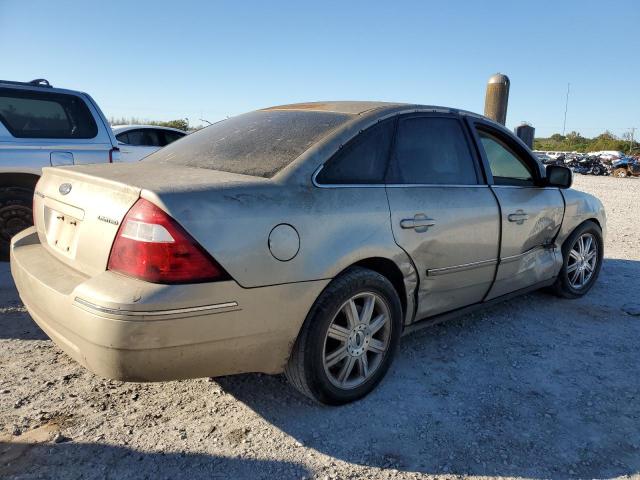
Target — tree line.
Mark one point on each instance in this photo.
(180, 123)
(574, 142)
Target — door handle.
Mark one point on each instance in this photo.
(420, 222)
(518, 217)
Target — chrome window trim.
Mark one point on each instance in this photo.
(525, 186)
(390, 185)
(152, 313)
(340, 185)
(434, 185)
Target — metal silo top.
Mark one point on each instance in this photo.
(499, 78)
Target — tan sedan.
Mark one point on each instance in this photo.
(303, 238)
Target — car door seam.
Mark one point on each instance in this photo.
(499, 252)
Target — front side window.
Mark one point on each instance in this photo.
(30, 114)
(506, 166)
(361, 161)
(432, 151)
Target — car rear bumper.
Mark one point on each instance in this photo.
(127, 329)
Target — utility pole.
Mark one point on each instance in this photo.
(633, 131)
(566, 106)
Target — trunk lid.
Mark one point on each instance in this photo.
(77, 216)
(80, 226)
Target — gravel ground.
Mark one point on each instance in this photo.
(534, 387)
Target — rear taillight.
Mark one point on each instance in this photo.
(114, 155)
(152, 246)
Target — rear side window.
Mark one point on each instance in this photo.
(144, 137)
(259, 143)
(432, 151)
(29, 114)
(363, 160)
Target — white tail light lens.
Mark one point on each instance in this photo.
(146, 232)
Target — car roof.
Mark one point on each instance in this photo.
(38, 88)
(365, 108)
(125, 128)
(344, 106)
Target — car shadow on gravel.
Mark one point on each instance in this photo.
(88, 460)
(16, 323)
(535, 387)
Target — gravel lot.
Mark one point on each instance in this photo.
(534, 387)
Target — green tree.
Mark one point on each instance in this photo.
(181, 124)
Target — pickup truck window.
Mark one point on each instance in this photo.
(28, 114)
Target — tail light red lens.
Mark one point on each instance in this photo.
(152, 246)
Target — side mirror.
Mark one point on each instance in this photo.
(557, 176)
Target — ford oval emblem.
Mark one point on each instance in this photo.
(64, 188)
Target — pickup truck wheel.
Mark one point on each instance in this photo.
(15, 215)
(348, 340)
(582, 256)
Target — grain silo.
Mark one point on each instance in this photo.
(526, 133)
(497, 98)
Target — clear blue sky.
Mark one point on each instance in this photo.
(164, 60)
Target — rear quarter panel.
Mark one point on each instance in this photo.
(336, 227)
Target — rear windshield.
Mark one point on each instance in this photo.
(28, 114)
(259, 143)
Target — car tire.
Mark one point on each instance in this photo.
(339, 356)
(16, 214)
(580, 268)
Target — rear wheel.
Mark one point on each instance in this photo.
(15, 215)
(348, 339)
(582, 259)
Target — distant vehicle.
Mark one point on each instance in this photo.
(301, 238)
(625, 167)
(42, 126)
(138, 141)
(608, 154)
(543, 157)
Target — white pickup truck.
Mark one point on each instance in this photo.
(42, 126)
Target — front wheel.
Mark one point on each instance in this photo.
(582, 259)
(348, 339)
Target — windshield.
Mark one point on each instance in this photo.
(259, 143)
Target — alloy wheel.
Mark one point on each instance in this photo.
(582, 261)
(357, 340)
